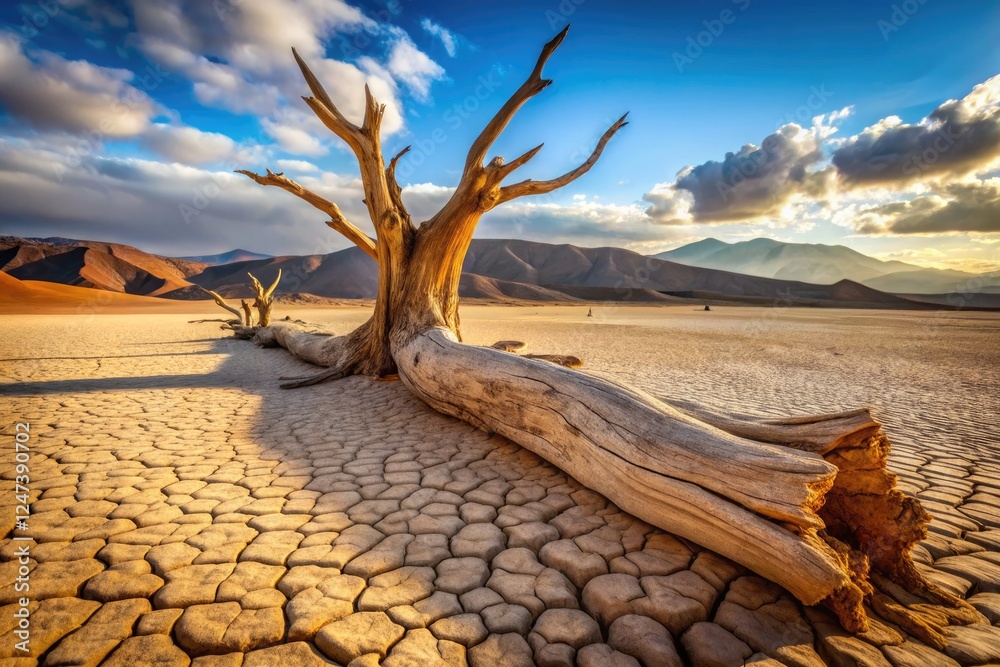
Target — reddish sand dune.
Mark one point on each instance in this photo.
(106, 266)
(32, 296)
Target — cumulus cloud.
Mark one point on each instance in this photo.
(754, 182)
(413, 68)
(294, 138)
(929, 177)
(187, 209)
(583, 221)
(446, 36)
(972, 206)
(587, 222)
(298, 166)
(49, 92)
(423, 200)
(238, 58)
(957, 138)
(189, 145)
(182, 209)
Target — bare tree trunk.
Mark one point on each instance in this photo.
(263, 301)
(805, 502)
(247, 314)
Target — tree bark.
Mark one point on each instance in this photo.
(263, 300)
(805, 502)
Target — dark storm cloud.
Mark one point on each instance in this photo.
(750, 183)
(957, 138)
(960, 207)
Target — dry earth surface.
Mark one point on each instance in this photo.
(187, 511)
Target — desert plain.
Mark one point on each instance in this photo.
(186, 510)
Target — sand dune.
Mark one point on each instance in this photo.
(106, 266)
(32, 296)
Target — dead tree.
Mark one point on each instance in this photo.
(263, 300)
(247, 314)
(807, 503)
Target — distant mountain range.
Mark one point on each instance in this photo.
(824, 265)
(499, 270)
(237, 255)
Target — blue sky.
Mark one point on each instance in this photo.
(846, 100)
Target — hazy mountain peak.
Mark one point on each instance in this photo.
(237, 255)
(820, 264)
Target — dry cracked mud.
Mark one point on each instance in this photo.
(186, 511)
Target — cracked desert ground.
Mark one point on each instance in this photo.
(185, 510)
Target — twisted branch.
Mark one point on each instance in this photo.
(337, 220)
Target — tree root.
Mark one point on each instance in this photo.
(326, 376)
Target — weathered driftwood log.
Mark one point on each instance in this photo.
(805, 502)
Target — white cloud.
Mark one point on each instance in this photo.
(892, 178)
(958, 138)
(294, 139)
(52, 93)
(189, 145)
(752, 183)
(298, 166)
(166, 207)
(582, 222)
(238, 58)
(423, 200)
(413, 68)
(960, 207)
(446, 36)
